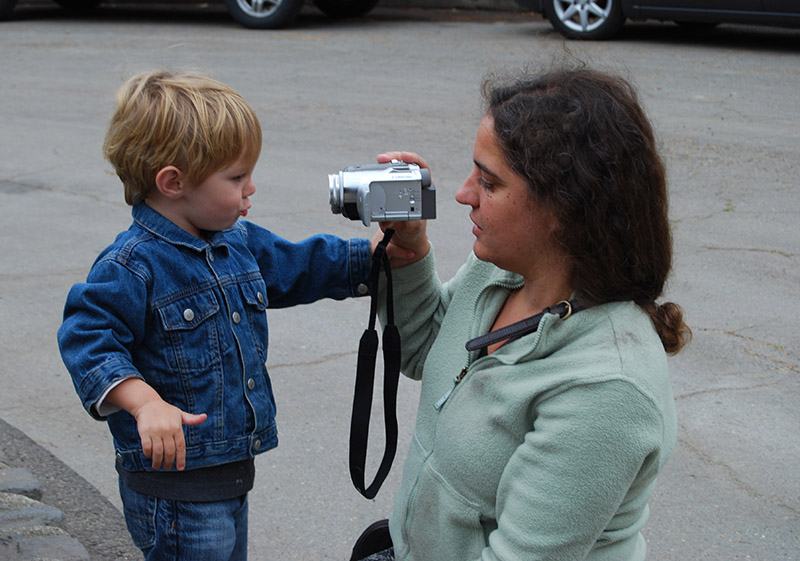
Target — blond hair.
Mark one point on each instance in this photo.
(187, 120)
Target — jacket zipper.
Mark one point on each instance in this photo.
(457, 380)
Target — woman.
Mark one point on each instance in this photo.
(543, 445)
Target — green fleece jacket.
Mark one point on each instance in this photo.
(547, 449)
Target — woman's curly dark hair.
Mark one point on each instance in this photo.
(586, 148)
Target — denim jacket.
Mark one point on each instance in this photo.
(188, 316)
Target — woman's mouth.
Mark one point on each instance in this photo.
(475, 228)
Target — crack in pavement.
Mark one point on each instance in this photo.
(704, 457)
(323, 360)
(753, 250)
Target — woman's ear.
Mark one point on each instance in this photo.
(170, 182)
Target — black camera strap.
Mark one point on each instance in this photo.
(365, 380)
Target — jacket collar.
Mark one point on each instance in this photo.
(551, 333)
(163, 228)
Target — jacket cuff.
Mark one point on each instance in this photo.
(100, 381)
(360, 254)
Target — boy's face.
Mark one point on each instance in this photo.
(218, 201)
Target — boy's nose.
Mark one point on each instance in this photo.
(251, 189)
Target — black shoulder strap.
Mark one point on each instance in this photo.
(365, 380)
(509, 333)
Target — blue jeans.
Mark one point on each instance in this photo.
(185, 531)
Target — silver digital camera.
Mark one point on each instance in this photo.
(397, 191)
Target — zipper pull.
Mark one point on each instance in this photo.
(438, 405)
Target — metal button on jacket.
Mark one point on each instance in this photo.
(236, 317)
(188, 314)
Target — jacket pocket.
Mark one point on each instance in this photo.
(254, 293)
(192, 334)
(454, 531)
(254, 297)
(140, 516)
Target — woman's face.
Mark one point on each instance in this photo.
(511, 230)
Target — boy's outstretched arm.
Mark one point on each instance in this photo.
(160, 424)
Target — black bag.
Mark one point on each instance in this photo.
(372, 540)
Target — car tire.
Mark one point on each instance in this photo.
(6, 7)
(345, 8)
(264, 14)
(577, 19)
(78, 6)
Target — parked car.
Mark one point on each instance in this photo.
(602, 19)
(258, 14)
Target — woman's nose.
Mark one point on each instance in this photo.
(466, 194)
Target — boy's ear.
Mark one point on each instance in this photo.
(170, 182)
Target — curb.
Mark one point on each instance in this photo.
(29, 528)
(49, 512)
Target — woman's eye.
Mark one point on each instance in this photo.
(483, 183)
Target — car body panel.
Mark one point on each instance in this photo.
(779, 6)
(779, 12)
(782, 13)
(703, 5)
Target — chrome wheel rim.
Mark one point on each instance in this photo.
(583, 15)
(258, 8)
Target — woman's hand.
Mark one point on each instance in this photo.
(408, 245)
(410, 242)
(407, 157)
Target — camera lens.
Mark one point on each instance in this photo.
(336, 195)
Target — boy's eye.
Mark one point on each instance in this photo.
(483, 183)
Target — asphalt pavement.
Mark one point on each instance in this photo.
(335, 93)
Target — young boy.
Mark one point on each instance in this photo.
(167, 338)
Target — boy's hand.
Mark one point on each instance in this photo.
(160, 428)
(410, 242)
(160, 424)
